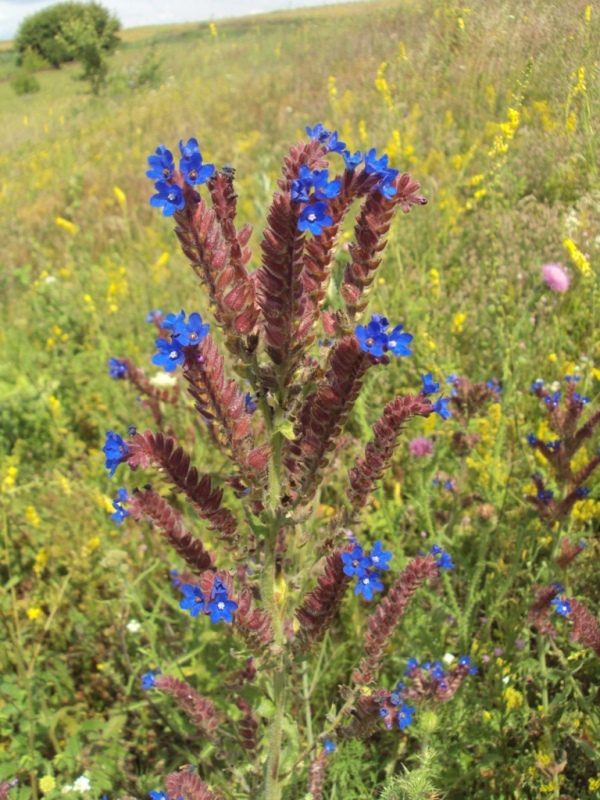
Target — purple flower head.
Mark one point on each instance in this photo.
(319, 133)
(115, 450)
(169, 355)
(383, 712)
(161, 164)
(314, 218)
(558, 587)
(561, 606)
(441, 407)
(374, 164)
(352, 161)
(368, 584)
(405, 716)
(221, 608)
(397, 342)
(329, 746)
(395, 698)
(169, 197)
(117, 368)
(556, 277)
(572, 378)
(577, 398)
(218, 588)
(545, 495)
(420, 446)
(149, 679)
(356, 563)
(334, 145)
(194, 171)
(379, 557)
(191, 332)
(531, 439)
(438, 673)
(429, 385)
(537, 385)
(188, 150)
(324, 188)
(169, 322)
(193, 600)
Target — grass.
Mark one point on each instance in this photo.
(492, 108)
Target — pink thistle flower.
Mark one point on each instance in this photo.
(556, 277)
(421, 446)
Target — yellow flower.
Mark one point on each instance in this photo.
(513, 698)
(552, 357)
(213, 30)
(588, 18)
(458, 322)
(47, 784)
(34, 612)
(66, 225)
(94, 542)
(578, 258)
(121, 196)
(54, 404)
(594, 783)
(32, 517)
(10, 478)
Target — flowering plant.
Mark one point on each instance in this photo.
(274, 583)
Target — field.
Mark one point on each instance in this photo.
(493, 108)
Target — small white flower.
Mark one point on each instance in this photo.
(506, 679)
(163, 380)
(82, 784)
(133, 626)
(49, 279)
(448, 658)
(555, 387)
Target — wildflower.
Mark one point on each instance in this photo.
(577, 398)
(441, 407)
(191, 332)
(464, 661)
(352, 161)
(194, 171)
(379, 557)
(329, 746)
(169, 355)
(437, 672)
(531, 439)
(193, 600)
(334, 145)
(161, 164)
(249, 404)
(373, 164)
(405, 716)
(319, 133)
(189, 149)
(395, 698)
(133, 626)
(582, 491)
(221, 608)
(169, 197)
(355, 562)
(158, 796)
(420, 446)
(411, 664)
(473, 670)
(445, 560)
(47, 784)
(149, 679)
(302, 185)
(120, 513)
(429, 385)
(556, 277)
(397, 342)
(545, 495)
(368, 584)
(373, 339)
(82, 784)
(34, 612)
(324, 188)
(154, 315)
(115, 449)
(314, 218)
(117, 368)
(537, 384)
(561, 606)
(385, 186)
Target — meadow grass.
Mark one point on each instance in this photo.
(493, 108)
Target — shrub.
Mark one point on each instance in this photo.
(24, 83)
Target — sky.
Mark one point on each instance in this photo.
(155, 12)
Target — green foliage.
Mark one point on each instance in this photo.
(50, 32)
(24, 83)
(416, 784)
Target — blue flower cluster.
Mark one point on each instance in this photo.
(436, 671)
(376, 340)
(445, 560)
(218, 605)
(117, 368)
(115, 450)
(120, 513)
(169, 195)
(183, 334)
(562, 606)
(365, 568)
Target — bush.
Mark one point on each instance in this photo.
(42, 32)
(24, 83)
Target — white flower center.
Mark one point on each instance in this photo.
(311, 217)
(173, 354)
(221, 606)
(172, 197)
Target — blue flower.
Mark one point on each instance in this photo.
(169, 355)
(329, 746)
(438, 673)
(352, 161)
(395, 698)
(562, 607)
(537, 385)
(169, 322)
(397, 342)
(149, 679)
(324, 188)
(383, 712)
(191, 332)
(493, 386)
(115, 450)
(411, 664)
(373, 164)
(193, 600)
(405, 716)
(120, 513)
(319, 133)
(558, 586)
(315, 218)
(531, 439)
(175, 579)
(368, 584)
(379, 557)
(445, 560)
(249, 404)
(194, 171)
(154, 315)
(545, 495)
(158, 796)
(221, 608)
(385, 186)
(334, 145)
(582, 491)
(372, 339)
(577, 398)
(441, 407)
(117, 368)
(473, 671)
(161, 164)
(429, 385)
(355, 562)
(188, 150)
(572, 378)
(464, 661)
(554, 445)
(169, 197)
(302, 185)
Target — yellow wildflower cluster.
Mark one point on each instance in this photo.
(480, 461)
(434, 282)
(333, 96)
(47, 784)
(41, 560)
(458, 322)
(57, 335)
(32, 517)
(512, 698)
(10, 478)
(212, 28)
(594, 783)
(506, 133)
(578, 258)
(118, 287)
(382, 86)
(586, 510)
(34, 612)
(63, 223)
(580, 87)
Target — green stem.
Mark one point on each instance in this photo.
(542, 646)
